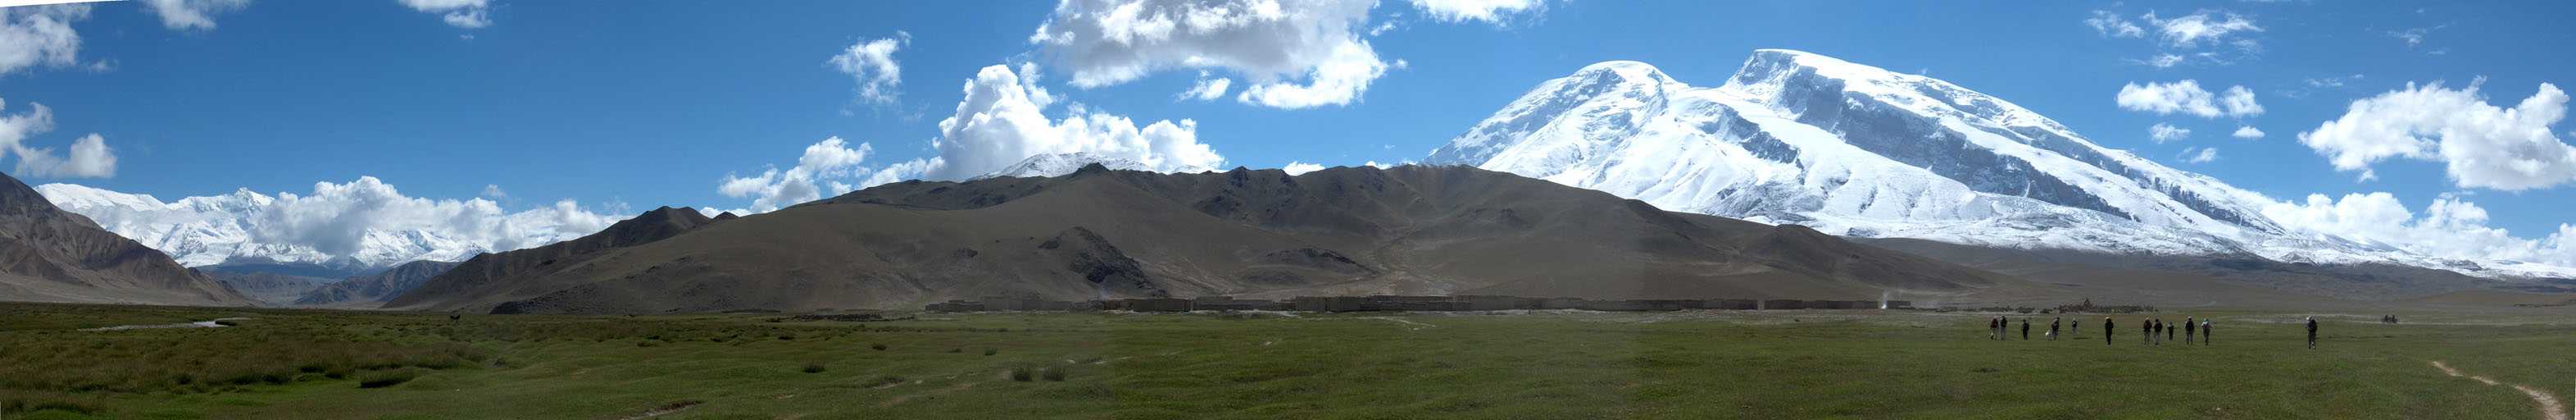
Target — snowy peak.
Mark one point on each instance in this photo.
(1852, 149)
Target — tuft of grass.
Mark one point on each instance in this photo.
(988, 351)
(816, 367)
(1052, 374)
(881, 380)
(386, 378)
(878, 346)
(1020, 374)
(957, 350)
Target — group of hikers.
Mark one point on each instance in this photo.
(2155, 330)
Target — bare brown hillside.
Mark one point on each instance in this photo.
(51, 255)
(1256, 233)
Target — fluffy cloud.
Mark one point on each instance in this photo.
(1488, 11)
(1207, 89)
(2199, 155)
(1293, 53)
(2162, 132)
(468, 14)
(2187, 97)
(829, 167)
(192, 14)
(2203, 27)
(39, 35)
(2448, 228)
(366, 220)
(337, 218)
(2483, 146)
(1338, 80)
(1001, 121)
(2248, 133)
(871, 64)
(2212, 36)
(1301, 168)
(90, 156)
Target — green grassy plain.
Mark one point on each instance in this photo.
(285, 364)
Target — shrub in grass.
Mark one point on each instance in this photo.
(989, 351)
(1052, 374)
(814, 368)
(878, 346)
(1020, 374)
(881, 380)
(956, 350)
(386, 378)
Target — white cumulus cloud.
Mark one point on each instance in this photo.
(192, 14)
(827, 168)
(2449, 228)
(468, 14)
(90, 156)
(1002, 121)
(39, 35)
(2187, 97)
(1301, 168)
(1291, 53)
(2162, 132)
(871, 64)
(2248, 133)
(2483, 146)
(1488, 11)
(1207, 88)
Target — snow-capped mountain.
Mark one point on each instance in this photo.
(211, 230)
(1058, 164)
(1850, 149)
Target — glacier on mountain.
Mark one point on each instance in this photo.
(213, 230)
(1849, 149)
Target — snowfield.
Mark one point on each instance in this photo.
(1854, 150)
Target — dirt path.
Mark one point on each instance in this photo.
(2550, 407)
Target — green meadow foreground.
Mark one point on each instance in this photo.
(285, 364)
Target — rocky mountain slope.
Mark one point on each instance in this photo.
(1854, 150)
(50, 255)
(374, 289)
(1101, 233)
(271, 289)
(488, 280)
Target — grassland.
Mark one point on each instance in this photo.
(1753, 365)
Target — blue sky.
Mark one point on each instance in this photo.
(656, 103)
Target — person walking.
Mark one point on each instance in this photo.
(2025, 329)
(2206, 334)
(2052, 327)
(2312, 332)
(2187, 330)
(2148, 328)
(2169, 330)
(2106, 331)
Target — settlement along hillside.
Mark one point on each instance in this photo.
(1101, 233)
(50, 255)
